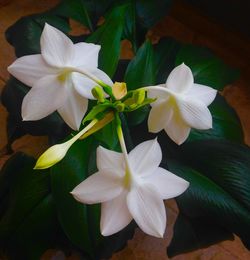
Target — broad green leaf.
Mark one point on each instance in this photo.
(120, 71)
(226, 124)
(207, 198)
(141, 70)
(84, 11)
(30, 209)
(150, 12)
(24, 35)
(141, 16)
(165, 54)
(138, 116)
(206, 67)
(27, 188)
(12, 97)
(226, 163)
(65, 176)
(194, 233)
(38, 232)
(108, 35)
(107, 135)
(140, 73)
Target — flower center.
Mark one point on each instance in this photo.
(127, 179)
(63, 76)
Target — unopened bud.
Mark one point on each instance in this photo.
(97, 93)
(120, 107)
(119, 90)
(139, 96)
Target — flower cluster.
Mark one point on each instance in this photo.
(129, 185)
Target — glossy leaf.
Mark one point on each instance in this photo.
(141, 16)
(226, 124)
(108, 35)
(64, 177)
(219, 176)
(165, 54)
(84, 11)
(206, 67)
(30, 209)
(228, 164)
(140, 73)
(141, 70)
(44, 224)
(194, 233)
(24, 35)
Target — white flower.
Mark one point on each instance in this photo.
(134, 192)
(55, 83)
(181, 105)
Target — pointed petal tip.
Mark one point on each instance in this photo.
(105, 232)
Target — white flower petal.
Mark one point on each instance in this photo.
(147, 209)
(167, 184)
(56, 48)
(29, 69)
(177, 129)
(145, 158)
(86, 54)
(115, 215)
(99, 187)
(195, 114)
(159, 116)
(74, 108)
(45, 97)
(160, 93)
(202, 93)
(101, 75)
(107, 159)
(180, 79)
(83, 85)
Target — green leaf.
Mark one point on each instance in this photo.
(138, 116)
(27, 189)
(165, 54)
(84, 11)
(99, 108)
(108, 36)
(206, 67)
(149, 13)
(24, 35)
(141, 70)
(44, 224)
(30, 209)
(140, 73)
(12, 97)
(228, 164)
(194, 233)
(141, 16)
(107, 136)
(65, 176)
(219, 176)
(226, 124)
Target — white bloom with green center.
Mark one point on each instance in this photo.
(181, 105)
(130, 187)
(61, 77)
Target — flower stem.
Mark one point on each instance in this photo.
(122, 142)
(84, 130)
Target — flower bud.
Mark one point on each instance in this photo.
(119, 90)
(120, 107)
(97, 92)
(139, 96)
